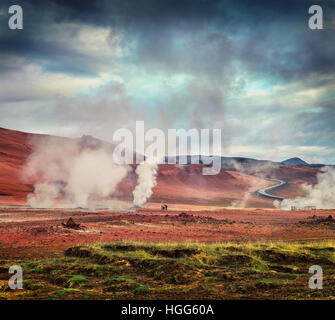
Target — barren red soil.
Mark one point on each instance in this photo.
(36, 233)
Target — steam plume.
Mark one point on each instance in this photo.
(147, 172)
(71, 173)
(320, 196)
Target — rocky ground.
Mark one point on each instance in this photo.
(39, 232)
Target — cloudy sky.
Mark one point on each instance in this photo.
(252, 68)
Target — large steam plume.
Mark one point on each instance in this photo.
(147, 173)
(70, 172)
(321, 195)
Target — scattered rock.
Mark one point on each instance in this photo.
(318, 219)
(79, 251)
(70, 224)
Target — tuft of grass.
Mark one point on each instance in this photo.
(3, 296)
(65, 291)
(26, 283)
(112, 280)
(209, 287)
(274, 282)
(35, 286)
(29, 263)
(77, 279)
(141, 290)
(35, 270)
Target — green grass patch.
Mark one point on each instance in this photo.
(109, 281)
(77, 279)
(3, 296)
(141, 290)
(138, 270)
(65, 291)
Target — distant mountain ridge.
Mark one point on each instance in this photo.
(295, 162)
(227, 163)
(232, 162)
(244, 164)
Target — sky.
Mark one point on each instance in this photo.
(251, 68)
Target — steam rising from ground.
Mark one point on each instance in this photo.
(147, 180)
(72, 172)
(321, 195)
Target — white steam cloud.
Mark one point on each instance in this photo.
(321, 195)
(147, 180)
(72, 173)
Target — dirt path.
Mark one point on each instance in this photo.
(264, 191)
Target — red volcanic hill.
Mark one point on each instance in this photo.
(175, 183)
(14, 151)
(186, 184)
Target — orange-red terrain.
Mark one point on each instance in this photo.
(201, 208)
(27, 233)
(175, 183)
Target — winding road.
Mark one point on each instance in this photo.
(264, 191)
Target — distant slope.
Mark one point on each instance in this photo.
(14, 151)
(175, 183)
(238, 179)
(295, 162)
(225, 161)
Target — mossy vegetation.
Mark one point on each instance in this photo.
(253, 270)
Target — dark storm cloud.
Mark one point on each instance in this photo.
(242, 64)
(279, 42)
(270, 38)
